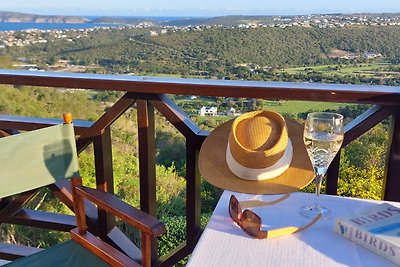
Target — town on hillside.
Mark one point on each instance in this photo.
(31, 36)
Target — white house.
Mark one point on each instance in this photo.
(370, 55)
(208, 111)
(232, 112)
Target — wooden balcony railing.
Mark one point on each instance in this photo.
(149, 93)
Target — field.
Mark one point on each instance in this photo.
(295, 107)
(365, 69)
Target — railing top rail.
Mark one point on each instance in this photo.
(377, 94)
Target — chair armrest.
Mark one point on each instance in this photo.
(135, 217)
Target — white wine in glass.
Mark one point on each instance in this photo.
(323, 137)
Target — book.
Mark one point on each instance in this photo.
(376, 229)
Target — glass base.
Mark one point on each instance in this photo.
(312, 211)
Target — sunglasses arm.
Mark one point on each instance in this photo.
(245, 204)
(289, 230)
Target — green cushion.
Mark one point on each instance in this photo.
(65, 254)
(37, 158)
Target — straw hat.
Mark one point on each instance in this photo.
(259, 153)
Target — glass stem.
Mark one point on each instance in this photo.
(318, 183)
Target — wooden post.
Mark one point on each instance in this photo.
(104, 176)
(147, 163)
(392, 179)
(333, 175)
(193, 195)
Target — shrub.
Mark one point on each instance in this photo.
(176, 234)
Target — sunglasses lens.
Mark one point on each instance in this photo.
(234, 209)
(251, 223)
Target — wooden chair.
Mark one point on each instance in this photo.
(39, 158)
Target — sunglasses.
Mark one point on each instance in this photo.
(251, 222)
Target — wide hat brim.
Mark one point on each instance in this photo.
(214, 169)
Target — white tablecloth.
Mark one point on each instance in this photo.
(223, 243)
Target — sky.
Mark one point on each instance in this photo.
(205, 8)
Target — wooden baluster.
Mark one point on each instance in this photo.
(193, 189)
(104, 176)
(147, 162)
(392, 170)
(332, 176)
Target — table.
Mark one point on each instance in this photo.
(223, 243)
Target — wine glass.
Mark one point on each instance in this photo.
(323, 136)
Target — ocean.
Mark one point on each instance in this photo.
(17, 26)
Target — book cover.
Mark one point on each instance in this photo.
(377, 229)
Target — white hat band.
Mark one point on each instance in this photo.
(260, 174)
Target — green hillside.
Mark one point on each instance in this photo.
(216, 51)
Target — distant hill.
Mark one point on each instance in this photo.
(21, 17)
(117, 20)
(6, 16)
